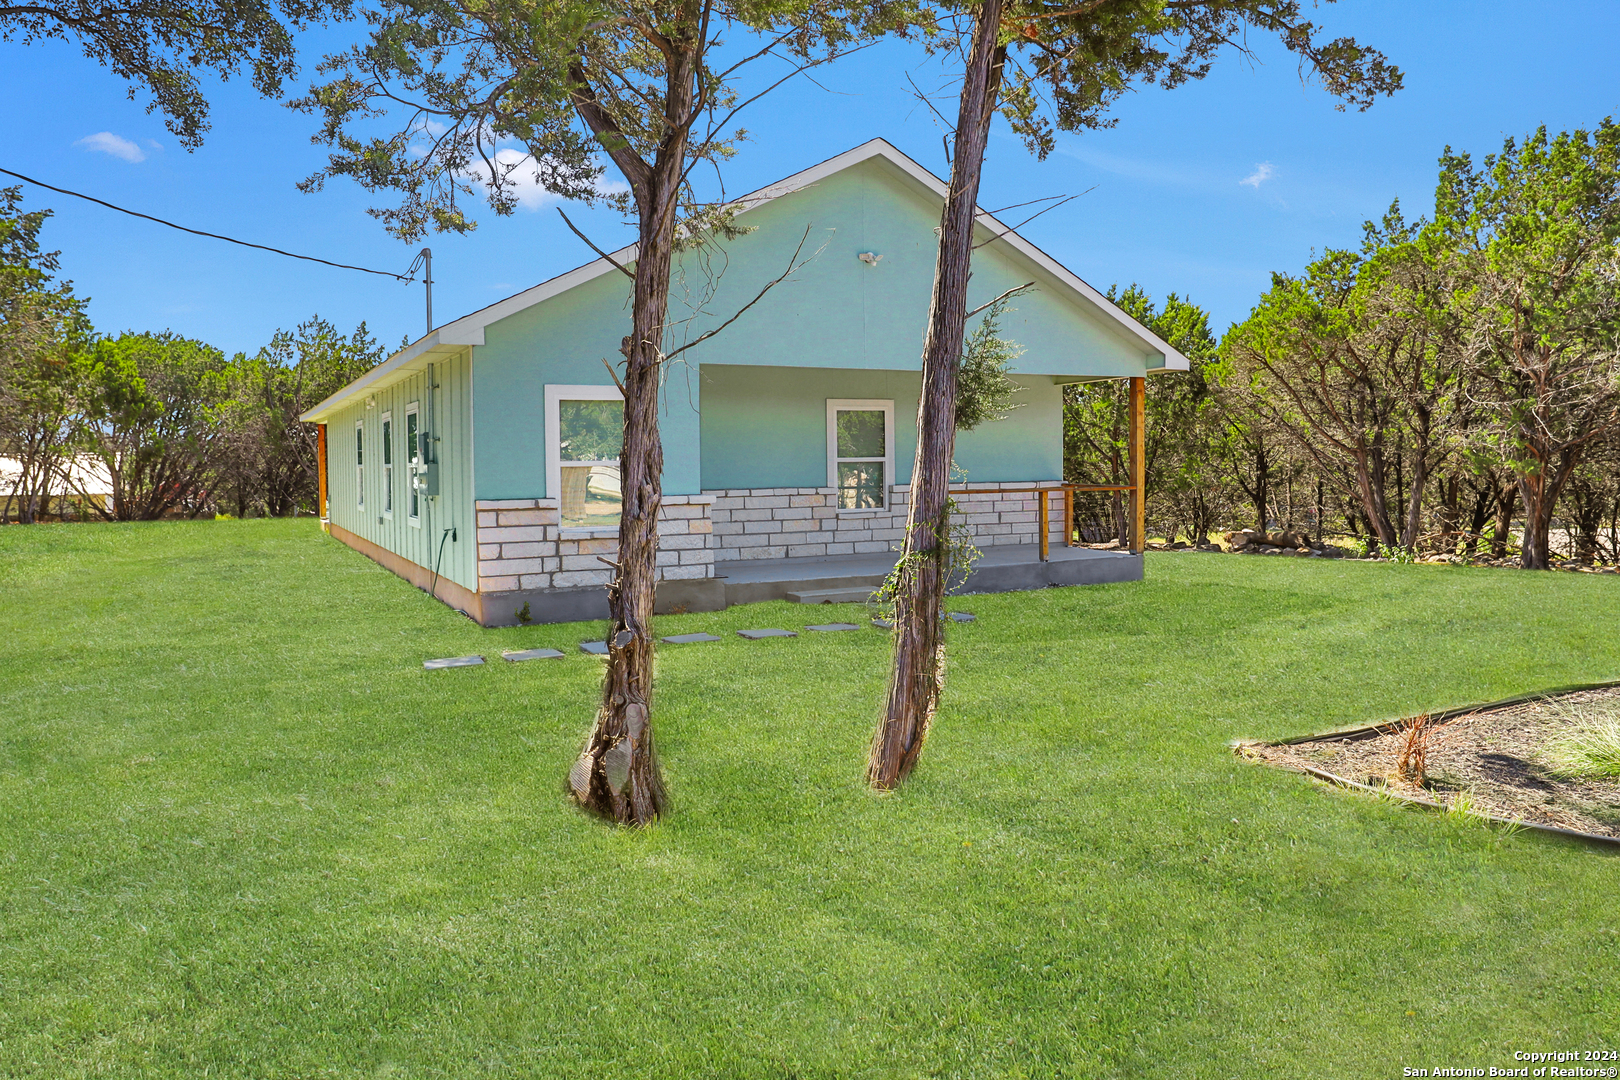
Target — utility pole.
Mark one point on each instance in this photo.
(424, 259)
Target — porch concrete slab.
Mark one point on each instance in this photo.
(689, 639)
(826, 628)
(532, 654)
(1004, 568)
(452, 661)
(755, 635)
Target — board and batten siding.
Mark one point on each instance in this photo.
(448, 418)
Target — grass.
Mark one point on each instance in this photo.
(1592, 746)
(243, 833)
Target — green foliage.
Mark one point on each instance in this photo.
(153, 415)
(268, 463)
(43, 331)
(161, 45)
(983, 391)
(1068, 64)
(1187, 439)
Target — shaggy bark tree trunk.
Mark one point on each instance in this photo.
(617, 774)
(1540, 492)
(919, 672)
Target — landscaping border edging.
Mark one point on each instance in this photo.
(1374, 730)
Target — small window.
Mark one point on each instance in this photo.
(585, 433)
(360, 464)
(388, 464)
(413, 459)
(860, 452)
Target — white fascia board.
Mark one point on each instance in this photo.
(414, 357)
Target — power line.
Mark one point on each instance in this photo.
(199, 232)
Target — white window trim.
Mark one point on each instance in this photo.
(385, 425)
(556, 394)
(871, 404)
(359, 465)
(413, 453)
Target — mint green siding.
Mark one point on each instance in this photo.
(445, 416)
(767, 427)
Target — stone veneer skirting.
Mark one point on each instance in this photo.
(791, 523)
(521, 545)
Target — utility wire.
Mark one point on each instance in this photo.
(199, 232)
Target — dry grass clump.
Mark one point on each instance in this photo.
(1414, 760)
(1591, 747)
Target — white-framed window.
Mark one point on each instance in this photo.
(860, 452)
(360, 464)
(388, 465)
(584, 436)
(413, 458)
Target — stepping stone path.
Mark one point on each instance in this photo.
(883, 624)
(755, 635)
(962, 616)
(595, 648)
(689, 639)
(825, 627)
(453, 661)
(532, 654)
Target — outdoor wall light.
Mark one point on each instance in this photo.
(869, 259)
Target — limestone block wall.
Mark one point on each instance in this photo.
(776, 523)
(521, 545)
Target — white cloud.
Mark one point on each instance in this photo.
(108, 143)
(530, 194)
(1262, 173)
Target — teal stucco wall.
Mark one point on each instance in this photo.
(447, 414)
(767, 427)
(835, 312)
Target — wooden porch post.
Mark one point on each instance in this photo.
(1138, 449)
(1044, 498)
(320, 470)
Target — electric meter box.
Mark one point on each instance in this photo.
(425, 479)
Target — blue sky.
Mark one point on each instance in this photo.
(1202, 191)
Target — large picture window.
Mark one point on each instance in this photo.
(388, 465)
(584, 435)
(360, 464)
(413, 458)
(860, 452)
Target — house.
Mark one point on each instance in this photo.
(480, 462)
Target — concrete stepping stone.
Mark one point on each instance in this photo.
(827, 627)
(857, 595)
(962, 616)
(532, 654)
(690, 639)
(453, 661)
(883, 624)
(595, 648)
(755, 635)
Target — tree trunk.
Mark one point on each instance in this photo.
(617, 774)
(918, 672)
(1370, 484)
(1507, 500)
(1540, 493)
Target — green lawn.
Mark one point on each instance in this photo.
(243, 833)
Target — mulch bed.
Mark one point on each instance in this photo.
(1491, 757)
